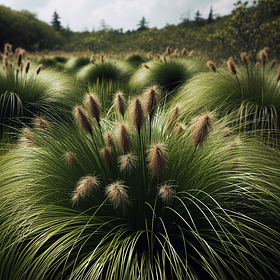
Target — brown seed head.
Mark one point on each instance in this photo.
(212, 66)
(109, 141)
(82, 120)
(231, 66)
(257, 65)
(107, 156)
(174, 115)
(84, 186)
(201, 127)
(119, 102)
(166, 194)
(263, 57)
(157, 159)
(151, 98)
(27, 136)
(244, 58)
(191, 53)
(38, 69)
(168, 50)
(117, 194)
(27, 66)
(19, 59)
(71, 159)
(124, 138)
(179, 128)
(136, 113)
(146, 66)
(273, 62)
(127, 162)
(91, 102)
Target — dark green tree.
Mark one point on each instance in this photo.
(210, 17)
(143, 24)
(55, 22)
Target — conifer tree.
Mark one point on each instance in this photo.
(55, 22)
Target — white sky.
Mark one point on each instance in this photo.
(87, 14)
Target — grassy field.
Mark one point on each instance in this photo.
(139, 167)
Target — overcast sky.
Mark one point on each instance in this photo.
(81, 15)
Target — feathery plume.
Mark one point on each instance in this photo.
(173, 116)
(166, 194)
(257, 65)
(119, 102)
(109, 141)
(41, 123)
(127, 162)
(27, 66)
(107, 156)
(26, 136)
(82, 120)
(273, 62)
(212, 66)
(91, 102)
(244, 58)
(117, 194)
(157, 159)
(200, 128)
(136, 113)
(38, 69)
(179, 128)
(146, 66)
(231, 66)
(151, 97)
(71, 159)
(191, 53)
(124, 138)
(84, 186)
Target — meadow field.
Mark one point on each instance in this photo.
(139, 166)
(156, 159)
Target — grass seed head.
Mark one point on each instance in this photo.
(71, 159)
(117, 195)
(84, 187)
(179, 128)
(91, 102)
(27, 66)
(119, 102)
(19, 59)
(82, 120)
(136, 113)
(127, 162)
(124, 138)
(174, 115)
(273, 62)
(157, 159)
(263, 56)
(166, 194)
(107, 156)
(200, 128)
(231, 66)
(245, 58)
(151, 98)
(257, 65)
(38, 70)
(109, 141)
(212, 66)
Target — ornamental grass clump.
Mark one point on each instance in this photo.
(170, 75)
(160, 208)
(249, 95)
